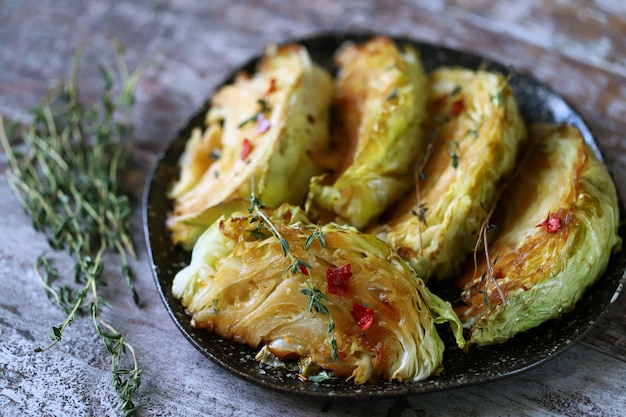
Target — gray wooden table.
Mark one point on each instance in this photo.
(577, 47)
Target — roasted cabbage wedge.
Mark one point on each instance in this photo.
(557, 222)
(244, 286)
(379, 106)
(475, 132)
(264, 129)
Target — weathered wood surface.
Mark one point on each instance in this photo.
(577, 47)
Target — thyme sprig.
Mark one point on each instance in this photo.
(65, 175)
(489, 274)
(317, 299)
(420, 213)
(487, 227)
(316, 234)
(421, 208)
(496, 98)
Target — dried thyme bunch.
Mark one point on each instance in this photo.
(64, 171)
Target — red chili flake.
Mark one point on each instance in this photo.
(338, 280)
(364, 316)
(304, 270)
(552, 223)
(272, 86)
(262, 124)
(457, 107)
(246, 149)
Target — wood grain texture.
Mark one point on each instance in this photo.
(576, 47)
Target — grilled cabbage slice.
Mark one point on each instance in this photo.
(476, 131)
(379, 104)
(558, 225)
(241, 286)
(265, 127)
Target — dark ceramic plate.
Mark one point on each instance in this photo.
(537, 103)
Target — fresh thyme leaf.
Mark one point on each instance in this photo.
(56, 333)
(250, 119)
(496, 99)
(315, 234)
(291, 269)
(265, 107)
(257, 234)
(333, 348)
(302, 264)
(392, 95)
(309, 240)
(65, 175)
(420, 213)
(254, 204)
(322, 239)
(473, 132)
(284, 246)
(454, 150)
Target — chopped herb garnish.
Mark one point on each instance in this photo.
(496, 99)
(257, 234)
(454, 150)
(215, 154)
(264, 108)
(393, 94)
